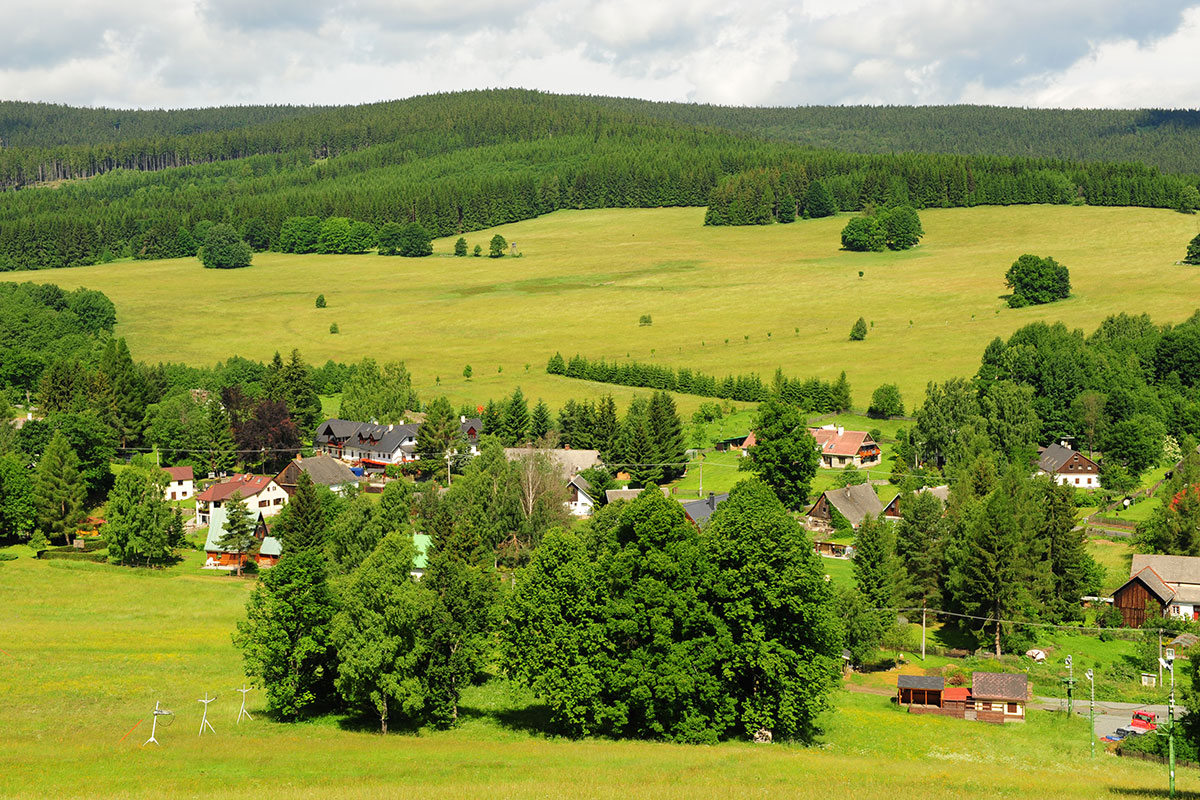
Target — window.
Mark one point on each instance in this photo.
(278, 501)
(1012, 708)
(264, 503)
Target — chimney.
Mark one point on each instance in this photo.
(712, 501)
(841, 430)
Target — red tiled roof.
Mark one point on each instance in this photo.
(751, 441)
(847, 444)
(246, 485)
(956, 693)
(179, 473)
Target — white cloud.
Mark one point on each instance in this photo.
(202, 52)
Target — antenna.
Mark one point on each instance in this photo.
(204, 723)
(158, 712)
(244, 712)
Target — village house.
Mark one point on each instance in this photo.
(855, 503)
(699, 511)
(180, 484)
(1170, 585)
(375, 445)
(840, 448)
(992, 697)
(613, 495)
(569, 463)
(260, 493)
(580, 500)
(267, 547)
(323, 470)
(1066, 466)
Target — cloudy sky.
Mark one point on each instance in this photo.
(178, 53)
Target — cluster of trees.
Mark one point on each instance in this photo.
(447, 164)
(812, 394)
(1128, 390)
(224, 248)
(311, 234)
(1035, 280)
(896, 228)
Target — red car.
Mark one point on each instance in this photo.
(1143, 721)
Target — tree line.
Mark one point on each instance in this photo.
(447, 163)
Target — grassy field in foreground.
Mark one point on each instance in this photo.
(722, 300)
(88, 648)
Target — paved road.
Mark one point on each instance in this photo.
(1109, 715)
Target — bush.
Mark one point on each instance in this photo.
(1193, 251)
(497, 246)
(644, 320)
(320, 301)
(859, 331)
(334, 328)
(864, 234)
(886, 402)
(1036, 280)
(8, 556)
(460, 247)
(902, 226)
(478, 251)
(224, 248)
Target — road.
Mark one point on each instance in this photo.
(1109, 715)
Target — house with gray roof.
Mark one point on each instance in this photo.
(1168, 584)
(377, 445)
(1066, 466)
(324, 470)
(699, 511)
(855, 503)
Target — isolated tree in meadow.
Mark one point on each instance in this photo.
(478, 251)
(59, 490)
(286, 639)
(1034, 280)
(460, 247)
(783, 655)
(786, 455)
(818, 202)
(886, 402)
(864, 234)
(320, 301)
(238, 537)
(902, 226)
(859, 331)
(224, 248)
(1193, 251)
(377, 635)
(497, 246)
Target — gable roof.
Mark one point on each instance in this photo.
(269, 546)
(940, 492)
(247, 485)
(336, 429)
(1055, 456)
(927, 682)
(179, 473)
(569, 462)
(1153, 583)
(855, 503)
(613, 495)
(1011, 686)
(845, 443)
(580, 483)
(700, 510)
(1169, 569)
(324, 470)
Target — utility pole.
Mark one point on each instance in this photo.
(1168, 662)
(922, 630)
(1160, 658)
(1092, 714)
(1070, 681)
(701, 475)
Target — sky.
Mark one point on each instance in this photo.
(187, 53)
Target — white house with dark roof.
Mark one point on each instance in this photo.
(374, 444)
(1067, 466)
(580, 497)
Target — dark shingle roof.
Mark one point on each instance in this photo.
(1153, 583)
(927, 682)
(1012, 686)
(855, 502)
(326, 470)
(700, 510)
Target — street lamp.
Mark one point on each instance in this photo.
(1092, 713)
(1168, 662)
(1070, 686)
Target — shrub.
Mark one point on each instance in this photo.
(320, 301)
(886, 402)
(333, 328)
(859, 331)
(8, 556)
(644, 320)
(478, 251)
(1036, 280)
(1193, 251)
(224, 248)
(864, 234)
(460, 247)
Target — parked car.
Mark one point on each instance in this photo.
(1143, 721)
(1116, 735)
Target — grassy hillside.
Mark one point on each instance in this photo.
(88, 648)
(587, 276)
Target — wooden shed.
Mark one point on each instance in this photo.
(1144, 590)
(921, 693)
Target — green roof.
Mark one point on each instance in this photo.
(421, 541)
(216, 529)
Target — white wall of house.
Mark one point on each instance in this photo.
(1080, 480)
(179, 490)
(581, 505)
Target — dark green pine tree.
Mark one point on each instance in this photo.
(492, 418)
(666, 433)
(238, 537)
(58, 489)
(568, 424)
(128, 390)
(919, 540)
(539, 421)
(818, 202)
(787, 207)
(638, 455)
(841, 393)
(273, 386)
(220, 452)
(304, 526)
(606, 429)
(1071, 565)
(439, 435)
(877, 571)
(516, 419)
(987, 574)
(303, 402)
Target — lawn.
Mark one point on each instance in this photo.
(1114, 555)
(722, 299)
(87, 649)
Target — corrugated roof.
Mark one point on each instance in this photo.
(1012, 686)
(1171, 569)
(855, 503)
(926, 682)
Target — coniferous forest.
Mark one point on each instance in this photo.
(157, 180)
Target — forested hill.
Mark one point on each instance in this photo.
(471, 160)
(1167, 139)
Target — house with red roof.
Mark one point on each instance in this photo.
(840, 447)
(260, 493)
(180, 485)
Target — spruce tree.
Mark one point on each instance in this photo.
(305, 522)
(606, 429)
(818, 202)
(636, 446)
(919, 541)
(492, 417)
(859, 331)
(516, 419)
(666, 434)
(438, 437)
(840, 396)
(58, 489)
(1071, 566)
(787, 207)
(300, 394)
(128, 390)
(221, 454)
(877, 572)
(539, 421)
(987, 572)
(238, 537)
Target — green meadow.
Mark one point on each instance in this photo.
(722, 299)
(87, 649)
